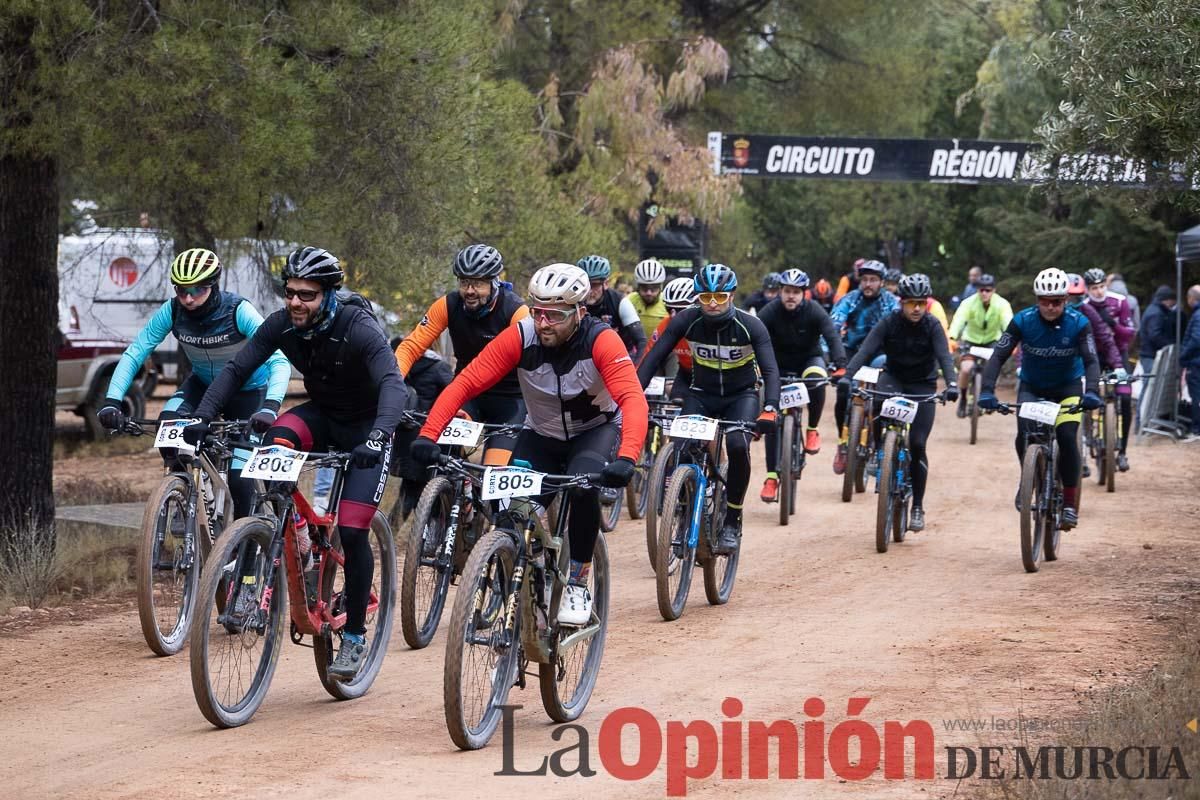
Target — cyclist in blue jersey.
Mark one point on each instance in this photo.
(211, 326)
(1057, 350)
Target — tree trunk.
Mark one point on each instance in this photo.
(28, 338)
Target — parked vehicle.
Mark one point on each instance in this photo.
(84, 368)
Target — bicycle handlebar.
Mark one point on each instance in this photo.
(582, 480)
(920, 398)
(1011, 408)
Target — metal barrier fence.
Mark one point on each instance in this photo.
(1159, 406)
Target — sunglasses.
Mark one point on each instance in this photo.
(307, 295)
(916, 302)
(191, 291)
(554, 316)
(711, 298)
(987, 289)
(1051, 302)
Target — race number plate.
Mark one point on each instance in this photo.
(900, 409)
(499, 482)
(794, 395)
(982, 352)
(1043, 411)
(462, 432)
(693, 426)
(275, 463)
(867, 375)
(658, 385)
(170, 434)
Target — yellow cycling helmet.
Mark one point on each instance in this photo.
(195, 267)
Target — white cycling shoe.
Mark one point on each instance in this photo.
(575, 606)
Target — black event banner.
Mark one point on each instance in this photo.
(927, 160)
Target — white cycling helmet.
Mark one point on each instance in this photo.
(1051, 282)
(559, 283)
(649, 271)
(679, 293)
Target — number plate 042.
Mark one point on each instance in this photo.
(275, 463)
(693, 426)
(170, 434)
(1044, 411)
(499, 482)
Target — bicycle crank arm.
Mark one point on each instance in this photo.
(578, 637)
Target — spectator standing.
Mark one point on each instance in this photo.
(1189, 359)
(1159, 325)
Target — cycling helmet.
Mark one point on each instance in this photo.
(872, 267)
(986, 281)
(716, 278)
(893, 275)
(314, 264)
(823, 289)
(771, 281)
(195, 267)
(1075, 285)
(679, 293)
(559, 283)
(596, 267)
(478, 261)
(1050, 282)
(649, 271)
(915, 286)
(794, 277)
(1094, 276)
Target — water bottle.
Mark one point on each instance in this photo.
(303, 541)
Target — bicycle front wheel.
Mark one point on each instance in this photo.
(854, 436)
(675, 559)
(1107, 418)
(635, 493)
(481, 666)
(973, 401)
(380, 608)
(787, 439)
(610, 512)
(234, 652)
(665, 462)
(887, 494)
(168, 570)
(1035, 497)
(568, 681)
(427, 569)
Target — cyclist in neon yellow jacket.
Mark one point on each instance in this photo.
(980, 321)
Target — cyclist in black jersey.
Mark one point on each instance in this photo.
(729, 348)
(797, 326)
(611, 307)
(356, 398)
(916, 347)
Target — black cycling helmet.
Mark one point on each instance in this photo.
(478, 261)
(771, 281)
(314, 264)
(915, 286)
(1094, 277)
(986, 280)
(872, 267)
(893, 275)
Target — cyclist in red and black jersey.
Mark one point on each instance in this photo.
(584, 403)
(678, 295)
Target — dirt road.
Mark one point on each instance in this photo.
(945, 626)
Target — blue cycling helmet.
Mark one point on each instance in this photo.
(794, 277)
(771, 281)
(716, 278)
(596, 267)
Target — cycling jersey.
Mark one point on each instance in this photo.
(682, 350)
(979, 325)
(1118, 316)
(855, 314)
(796, 335)
(349, 370)
(209, 336)
(1106, 344)
(582, 384)
(756, 302)
(1052, 353)
(914, 350)
(650, 315)
(468, 334)
(846, 284)
(727, 354)
(618, 313)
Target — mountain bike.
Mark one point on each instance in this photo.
(260, 560)
(694, 505)
(183, 516)
(506, 613)
(793, 398)
(636, 493)
(860, 434)
(893, 466)
(974, 388)
(1041, 491)
(661, 470)
(449, 518)
(1103, 428)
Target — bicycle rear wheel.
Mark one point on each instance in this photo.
(233, 657)
(787, 440)
(379, 619)
(427, 570)
(675, 559)
(1034, 499)
(480, 667)
(168, 572)
(1108, 418)
(720, 571)
(973, 401)
(853, 437)
(665, 462)
(887, 494)
(567, 683)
